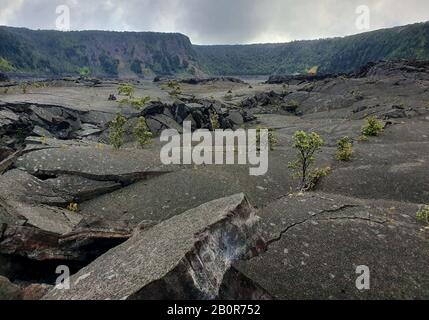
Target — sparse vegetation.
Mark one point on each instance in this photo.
(81, 160)
(363, 138)
(43, 140)
(372, 127)
(172, 84)
(6, 66)
(126, 90)
(142, 133)
(313, 70)
(214, 120)
(116, 131)
(24, 87)
(292, 106)
(316, 175)
(272, 140)
(137, 103)
(423, 214)
(307, 144)
(300, 57)
(358, 95)
(73, 207)
(84, 72)
(344, 149)
(175, 89)
(39, 85)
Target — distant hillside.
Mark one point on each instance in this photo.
(105, 53)
(132, 54)
(337, 55)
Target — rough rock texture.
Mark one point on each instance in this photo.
(35, 291)
(20, 186)
(9, 160)
(236, 286)
(31, 243)
(81, 188)
(316, 241)
(47, 218)
(94, 236)
(9, 291)
(88, 240)
(271, 102)
(8, 215)
(382, 170)
(385, 69)
(181, 190)
(183, 257)
(97, 163)
(199, 111)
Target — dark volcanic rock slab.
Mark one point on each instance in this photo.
(19, 185)
(184, 257)
(81, 188)
(26, 199)
(96, 162)
(383, 171)
(30, 242)
(236, 286)
(173, 193)
(159, 122)
(81, 245)
(7, 214)
(316, 242)
(94, 236)
(47, 218)
(91, 238)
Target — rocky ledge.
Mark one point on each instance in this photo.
(184, 257)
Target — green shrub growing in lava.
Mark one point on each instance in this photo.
(344, 149)
(307, 144)
(126, 90)
(84, 72)
(116, 131)
(423, 214)
(372, 127)
(137, 103)
(142, 133)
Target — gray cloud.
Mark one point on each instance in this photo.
(218, 21)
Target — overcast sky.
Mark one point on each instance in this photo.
(218, 21)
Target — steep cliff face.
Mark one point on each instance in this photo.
(138, 54)
(336, 55)
(127, 54)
